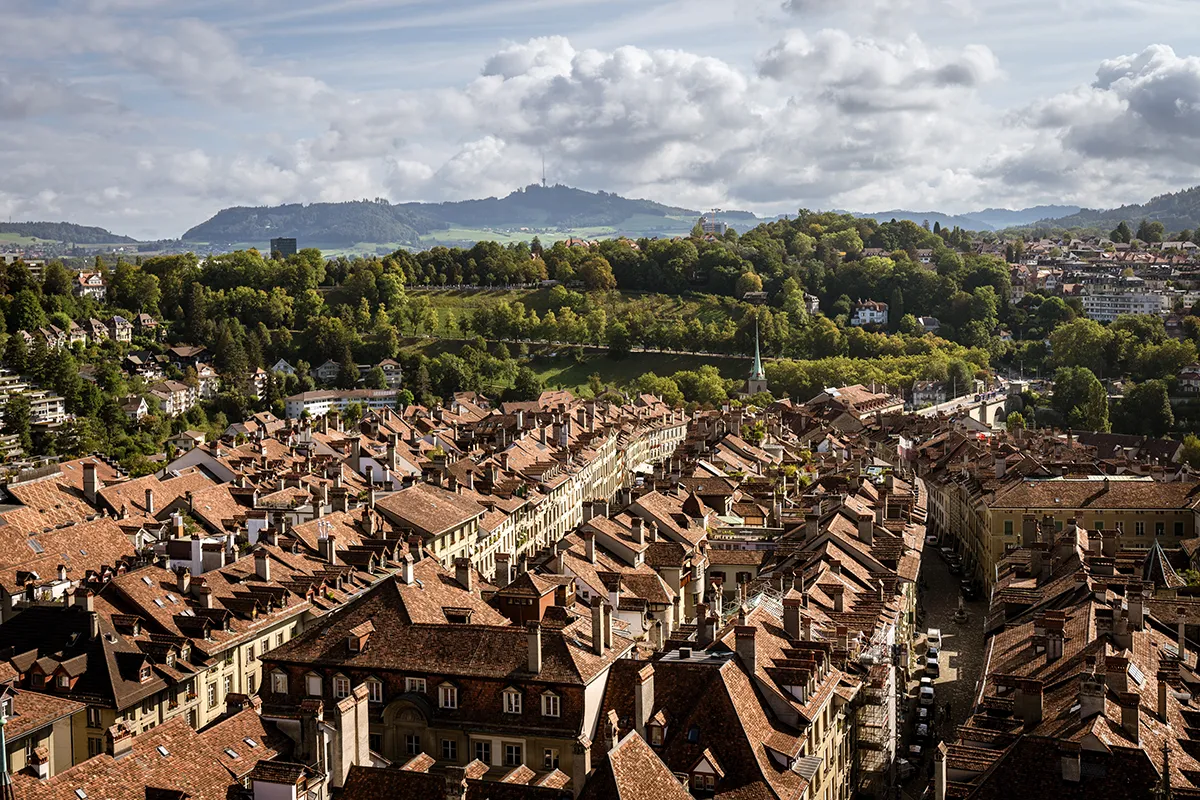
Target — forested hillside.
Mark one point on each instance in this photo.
(63, 232)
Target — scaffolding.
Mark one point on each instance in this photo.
(875, 715)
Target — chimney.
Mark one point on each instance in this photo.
(1029, 701)
(939, 772)
(534, 636)
(406, 570)
(704, 627)
(1054, 645)
(589, 545)
(1116, 673)
(150, 502)
(327, 546)
(1091, 696)
(1137, 605)
(503, 569)
(639, 531)
(1163, 679)
(184, 581)
(791, 616)
(1001, 466)
(866, 529)
(581, 765)
(1029, 530)
(598, 627)
(120, 741)
(1069, 757)
(464, 574)
(806, 625)
(1130, 704)
(262, 564)
(643, 699)
(91, 484)
(455, 779)
(744, 644)
(812, 526)
(838, 593)
(606, 629)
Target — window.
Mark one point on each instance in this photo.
(549, 705)
(250, 657)
(447, 696)
(312, 684)
(93, 718)
(279, 682)
(656, 734)
(1008, 527)
(212, 695)
(1139, 528)
(483, 752)
(227, 684)
(95, 746)
(145, 674)
(512, 755)
(702, 782)
(414, 685)
(374, 691)
(341, 687)
(250, 684)
(412, 744)
(64, 682)
(1160, 528)
(1120, 526)
(375, 742)
(512, 701)
(229, 658)
(550, 759)
(279, 639)
(1178, 529)
(449, 750)
(1099, 525)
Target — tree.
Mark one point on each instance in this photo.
(16, 354)
(1122, 233)
(1015, 421)
(347, 377)
(748, 282)
(26, 312)
(663, 387)
(56, 280)
(527, 386)
(1080, 398)
(17, 419)
(1149, 231)
(596, 274)
(1080, 343)
(1191, 451)
(404, 399)
(376, 379)
(1147, 409)
(618, 340)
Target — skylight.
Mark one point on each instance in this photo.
(81, 794)
(36, 546)
(250, 742)
(231, 752)
(158, 602)
(162, 751)
(147, 581)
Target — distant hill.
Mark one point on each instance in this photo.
(536, 207)
(1175, 211)
(989, 219)
(66, 232)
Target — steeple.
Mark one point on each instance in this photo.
(757, 373)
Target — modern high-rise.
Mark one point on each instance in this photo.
(285, 247)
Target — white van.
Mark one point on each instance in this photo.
(933, 638)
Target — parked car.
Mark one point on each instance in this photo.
(947, 553)
(956, 566)
(923, 733)
(933, 638)
(970, 590)
(925, 694)
(922, 715)
(931, 540)
(932, 667)
(905, 769)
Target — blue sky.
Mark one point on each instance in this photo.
(148, 116)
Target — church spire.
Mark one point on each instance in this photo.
(757, 373)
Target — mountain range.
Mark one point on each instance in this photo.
(561, 210)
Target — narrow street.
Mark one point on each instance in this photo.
(960, 663)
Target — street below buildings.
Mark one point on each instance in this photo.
(960, 662)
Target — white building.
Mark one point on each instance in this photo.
(319, 403)
(1106, 303)
(869, 312)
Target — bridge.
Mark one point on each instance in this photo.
(987, 407)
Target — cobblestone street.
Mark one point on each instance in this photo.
(960, 660)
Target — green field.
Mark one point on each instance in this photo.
(635, 227)
(558, 369)
(24, 241)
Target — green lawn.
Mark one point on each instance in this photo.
(14, 238)
(566, 373)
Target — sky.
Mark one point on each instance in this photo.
(149, 116)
